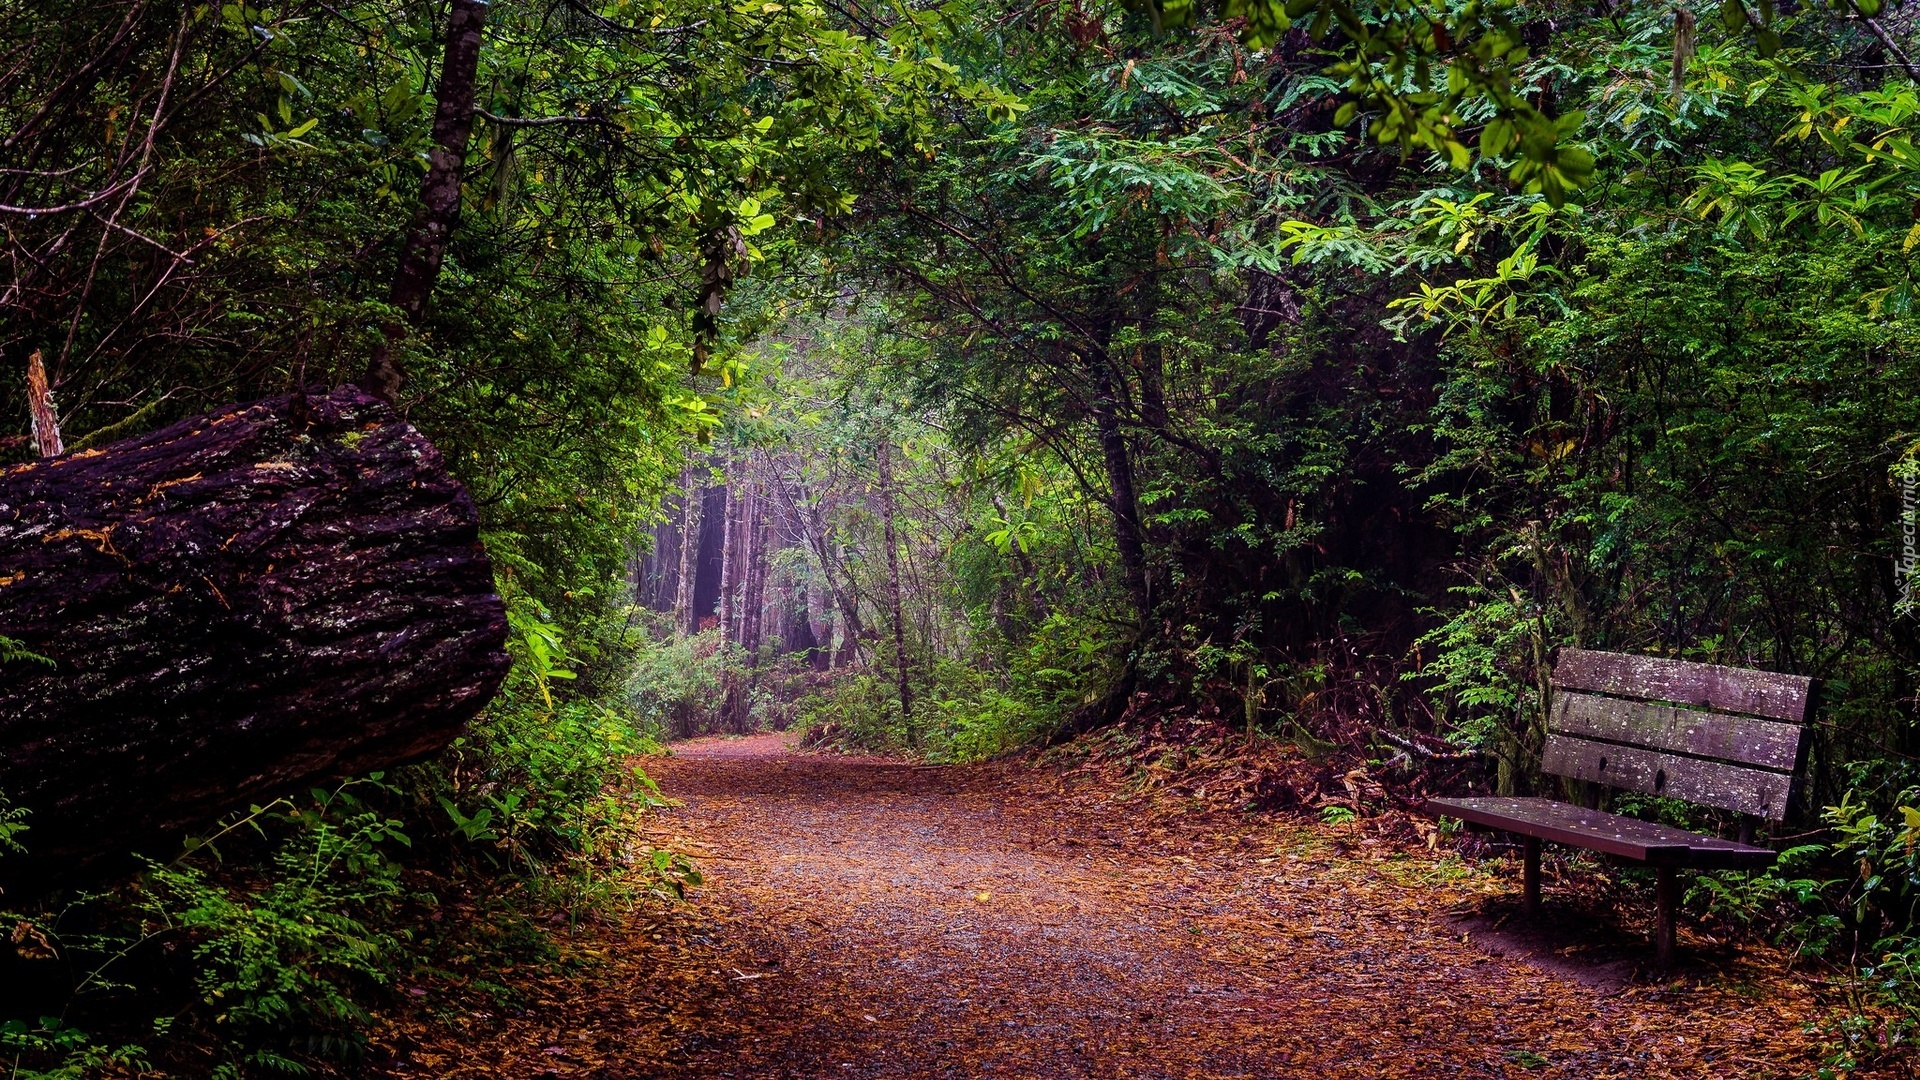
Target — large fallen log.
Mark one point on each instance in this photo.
(240, 604)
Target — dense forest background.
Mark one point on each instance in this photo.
(957, 378)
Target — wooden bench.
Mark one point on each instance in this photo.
(1730, 738)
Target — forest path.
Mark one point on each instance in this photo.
(893, 920)
(869, 918)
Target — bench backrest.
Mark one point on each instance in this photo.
(1725, 737)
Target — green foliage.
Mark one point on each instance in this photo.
(1429, 73)
(296, 915)
(287, 941)
(50, 1049)
(959, 715)
(969, 711)
(863, 711)
(1192, 377)
(1850, 901)
(12, 824)
(677, 685)
(534, 778)
(280, 958)
(13, 652)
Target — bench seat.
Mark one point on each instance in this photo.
(1597, 830)
(1731, 738)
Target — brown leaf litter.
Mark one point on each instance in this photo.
(868, 917)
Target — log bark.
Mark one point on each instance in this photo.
(244, 603)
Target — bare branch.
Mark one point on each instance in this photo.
(1893, 49)
(533, 121)
(90, 201)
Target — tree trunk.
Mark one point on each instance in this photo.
(818, 536)
(754, 630)
(46, 422)
(795, 621)
(729, 507)
(729, 586)
(1124, 504)
(743, 552)
(694, 498)
(425, 246)
(893, 580)
(853, 629)
(241, 604)
(663, 567)
(819, 620)
(771, 625)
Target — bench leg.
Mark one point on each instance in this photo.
(1530, 876)
(1667, 896)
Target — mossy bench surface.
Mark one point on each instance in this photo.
(1596, 830)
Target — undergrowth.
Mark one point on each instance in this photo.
(1017, 693)
(271, 945)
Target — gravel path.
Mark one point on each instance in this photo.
(872, 918)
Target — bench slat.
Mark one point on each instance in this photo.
(1768, 744)
(1595, 830)
(1741, 690)
(1709, 783)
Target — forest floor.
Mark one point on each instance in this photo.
(867, 917)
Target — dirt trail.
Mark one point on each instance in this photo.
(918, 922)
(870, 918)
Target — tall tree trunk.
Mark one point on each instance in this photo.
(770, 626)
(749, 514)
(814, 530)
(853, 629)
(754, 622)
(893, 580)
(731, 550)
(1124, 503)
(425, 246)
(819, 620)
(663, 561)
(693, 498)
(740, 700)
(797, 623)
(728, 585)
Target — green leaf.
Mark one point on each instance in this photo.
(1576, 161)
(1496, 137)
